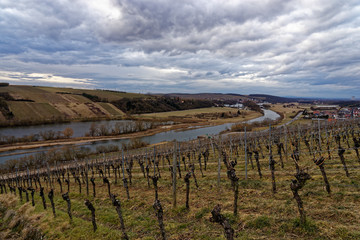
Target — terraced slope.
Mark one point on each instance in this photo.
(40, 104)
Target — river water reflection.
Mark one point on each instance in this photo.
(81, 128)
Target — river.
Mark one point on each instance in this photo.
(80, 128)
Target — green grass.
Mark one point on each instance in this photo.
(259, 222)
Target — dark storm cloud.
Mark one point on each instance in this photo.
(188, 24)
(270, 46)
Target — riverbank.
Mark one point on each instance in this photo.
(192, 123)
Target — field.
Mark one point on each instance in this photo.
(212, 114)
(35, 111)
(189, 113)
(288, 112)
(261, 214)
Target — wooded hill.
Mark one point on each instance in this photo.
(28, 105)
(231, 98)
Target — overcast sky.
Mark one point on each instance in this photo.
(304, 48)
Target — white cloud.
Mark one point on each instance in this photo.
(38, 78)
(279, 47)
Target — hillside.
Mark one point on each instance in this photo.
(208, 96)
(272, 99)
(232, 97)
(32, 104)
(28, 105)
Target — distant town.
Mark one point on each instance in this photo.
(332, 112)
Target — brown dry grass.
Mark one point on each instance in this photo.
(207, 116)
(18, 222)
(189, 113)
(287, 111)
(111, 96)
(111, 109)
(262, 214)
(30, 110)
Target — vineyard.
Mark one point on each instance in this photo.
(291, 182)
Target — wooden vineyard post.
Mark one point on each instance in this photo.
(59, 181)
(285, 142)
(178, 155)
(106, 180)
(67, 180)
(320, 163)
(271, 162)
(92, 209)
(49, 175)
(356, 147)
(187, 181)
(155, 180)
(272, 168)
(87, 177)
(51, 197)
(199, 159)
(66, 198)
(147, 168)
(341, 152)
(192, 168)
(26, 194)
(235, 182)
(128, 169)
(43, 197)
(28, 177)
(77, 179)
(246, 161)
(124, 179)
(256, 155)
(32, 192)
(154, 161)
(92, 180)
(219, 160)
(299, 141)
(179, 152)
(328, 141)
(219, 163)
(319, 135)
(116, 203)
(270, 149)
(174, 175)
(160, 215)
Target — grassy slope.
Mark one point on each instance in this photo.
(51, 103)
(262, 215)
